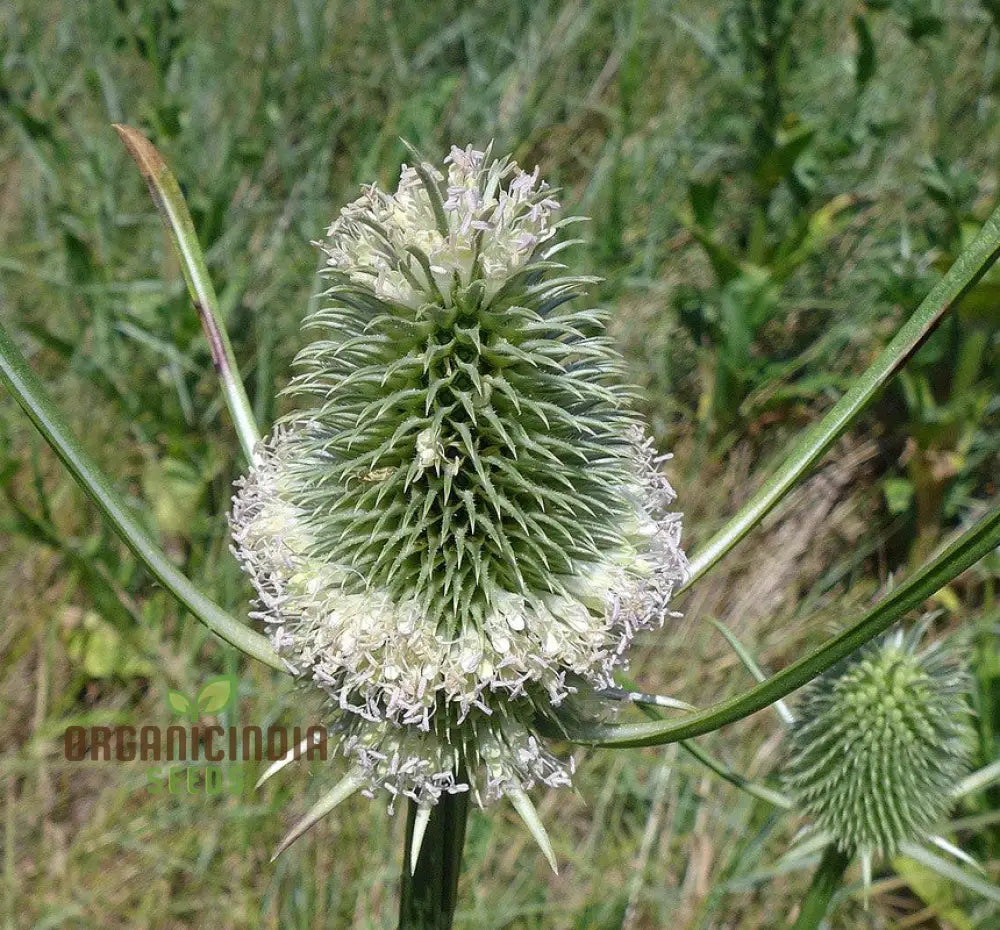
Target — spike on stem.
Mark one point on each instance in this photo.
(429, 887)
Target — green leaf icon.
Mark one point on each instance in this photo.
(179, 703)
(218, 694)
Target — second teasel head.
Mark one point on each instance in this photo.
(880, 743)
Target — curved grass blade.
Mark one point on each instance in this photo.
(761, 792)
(648, 707)
(950, 871)
(976, 542)
(750, 663)
(169, 201)
(968, 268)
(30, 393)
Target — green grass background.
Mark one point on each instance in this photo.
(271, 115)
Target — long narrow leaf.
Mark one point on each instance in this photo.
(734, 778)
(169, 201)
(968, 268)
(969, 548)
(952, 872)
(649, 708)
(29, 392)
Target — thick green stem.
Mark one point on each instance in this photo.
(828, 877)
(429, 893)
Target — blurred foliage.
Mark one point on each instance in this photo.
(772, 186)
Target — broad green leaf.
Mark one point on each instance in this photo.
(936, 892)
(100, 656)
(898, 494)
(102, 651)
(822, 225)
(703, 195)
(982, 307)
(780, 161)
(30, 393)
(175, 491)
(724, 263)
(218, 694)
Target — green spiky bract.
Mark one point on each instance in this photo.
(468, 451)
(879, 744)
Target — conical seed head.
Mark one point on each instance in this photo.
(464, 517)
(879, 744)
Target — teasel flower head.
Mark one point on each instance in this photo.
(463, 523)
(879, 744)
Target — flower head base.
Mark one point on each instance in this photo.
(464, 523)
(879, 745)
